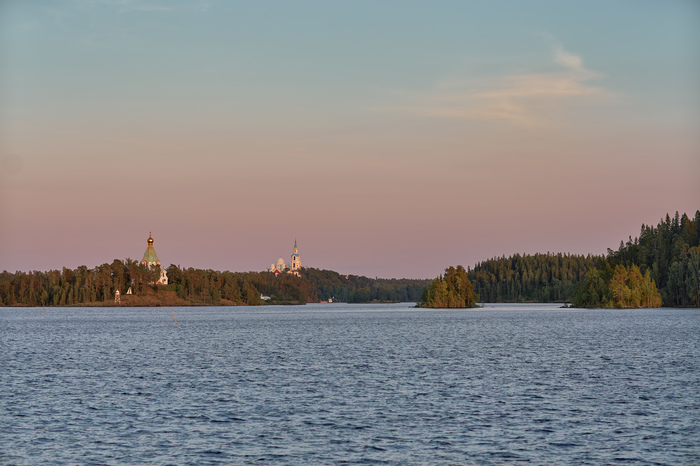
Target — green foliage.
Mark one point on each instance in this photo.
(95, 286)
(357, 289)
(670, 254)
(667, 256)
(453, 290)
(539, 278)
(595, 291)
(216, 297)
(621, 287)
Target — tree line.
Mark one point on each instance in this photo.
(97, 286)
(358, 289)
(621, 287)
(667, 256)
(660, 267)
(538, 278)
(68, 287)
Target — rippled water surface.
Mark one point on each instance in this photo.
(358, 384)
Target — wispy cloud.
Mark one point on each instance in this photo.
(526, 98)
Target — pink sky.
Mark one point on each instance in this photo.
(396, 159)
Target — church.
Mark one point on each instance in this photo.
(294, 268)
(150, 260)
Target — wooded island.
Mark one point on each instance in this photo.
(660, 267)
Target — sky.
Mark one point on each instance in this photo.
(388, 138)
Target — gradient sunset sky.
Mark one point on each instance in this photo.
(389, 138)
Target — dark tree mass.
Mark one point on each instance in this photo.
(622, 287)
(661, 267)
(188, 286)
(358, 289)
(538, 278)
(665, 257)
(452, 290)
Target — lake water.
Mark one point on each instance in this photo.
(324, 384)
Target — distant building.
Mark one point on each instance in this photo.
(163, 280)
(296, 261)
(278, 267)
(150, 260)
(294, 268)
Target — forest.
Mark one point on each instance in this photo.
(188, 286)
(660, 267)
(667, 255)
(449, 291)
(538, 278)
(621, 287)
(663, 263)
(358, 289)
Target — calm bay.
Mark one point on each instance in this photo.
(349, 383)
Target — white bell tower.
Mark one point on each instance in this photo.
(296, 261)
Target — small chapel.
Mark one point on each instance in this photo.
(150, 260)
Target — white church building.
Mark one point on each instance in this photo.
(293, 268)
